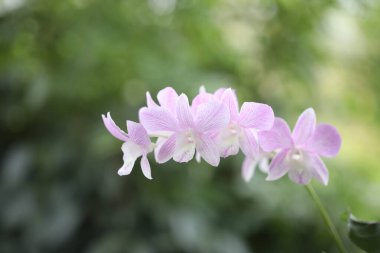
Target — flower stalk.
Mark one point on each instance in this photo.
(326, 218)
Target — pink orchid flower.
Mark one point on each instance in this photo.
(299, 152)
(136, 143)
(183, 131)
(241, 132)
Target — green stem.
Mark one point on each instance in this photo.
(326, 218)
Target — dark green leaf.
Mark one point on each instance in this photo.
(365, 234)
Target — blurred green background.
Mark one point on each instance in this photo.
(65, 62)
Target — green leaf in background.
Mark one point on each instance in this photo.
(365, 234)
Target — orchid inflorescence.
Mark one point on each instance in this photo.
(213, 127)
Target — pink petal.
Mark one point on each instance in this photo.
(145, 167)
(184, 115)
(249, 144)
(165, 149)
(157, 119)
(184, 148)
(168, 98)
(138, 134)
(149, 101)
(326, 141)
(219, 92)
(256, 115)
(113, 128)
(208, 149)
(201, 98)
(230, 100)
(248, 168)
(304, 127)
(278, 166)
(302, 177)
(319, 170)
(279, 137)
(211, 116)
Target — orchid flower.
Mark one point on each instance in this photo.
(136, 143)
(243, 126)
(185, 131)
(299, 152)
(241, 133)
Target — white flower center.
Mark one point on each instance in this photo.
(297, 160)
(190, 137)
(234, 129)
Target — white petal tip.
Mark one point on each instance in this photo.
(122, 173)
(247, 179)
(213, 163)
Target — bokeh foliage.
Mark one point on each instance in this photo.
(64, 62)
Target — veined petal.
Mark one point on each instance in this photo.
(165, 149)
(219, 92)
(230, 100)
(326, 141)
(248, 168)
(211, 116)
(318, 169)
(113, 128)
(304, 127)
(157, 119)
(278, 166)
(279, 137)
(145, 167)
(184, 147)
(256, 115)
(184, 115)
(201, 98)
(167, 98)
(208, 149)
(249, 143)
(138, 134)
